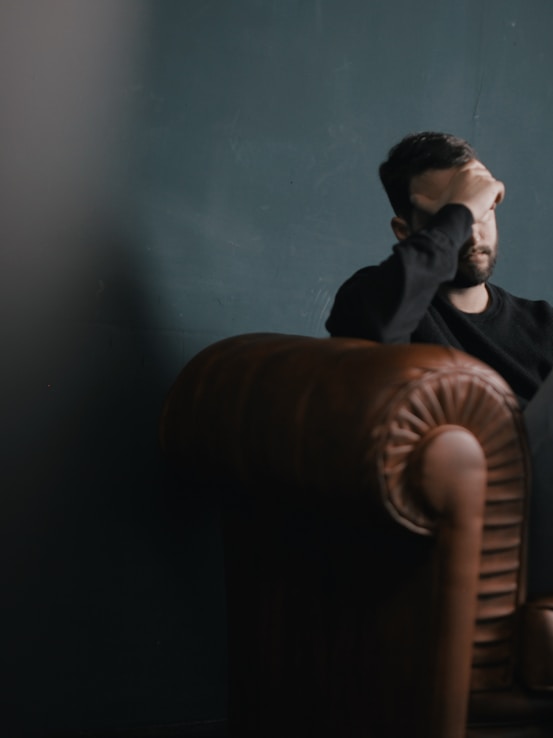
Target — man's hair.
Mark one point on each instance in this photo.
(415, 154)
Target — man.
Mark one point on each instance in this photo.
(434, 288)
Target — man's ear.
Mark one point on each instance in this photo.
(400, 227)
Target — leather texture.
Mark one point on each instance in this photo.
(537, 644)
(375, 502)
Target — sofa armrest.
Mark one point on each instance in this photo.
(340, 417)
(417, 438)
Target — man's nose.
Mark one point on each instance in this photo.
(476, 235)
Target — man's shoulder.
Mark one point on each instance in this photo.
(507, 298)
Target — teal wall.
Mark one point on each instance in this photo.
(173, 173)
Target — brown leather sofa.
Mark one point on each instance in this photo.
(375, 507)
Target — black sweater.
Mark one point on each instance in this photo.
(398, 302)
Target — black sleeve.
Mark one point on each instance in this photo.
(387, 302)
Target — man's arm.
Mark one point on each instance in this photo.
(387, 302)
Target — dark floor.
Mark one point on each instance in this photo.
(203, 729)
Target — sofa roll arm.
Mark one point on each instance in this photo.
(388, 434)
(328, 418)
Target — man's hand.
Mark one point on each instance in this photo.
(471, 185)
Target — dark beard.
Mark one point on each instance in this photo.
(470, 274)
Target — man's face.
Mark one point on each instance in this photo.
(478, 255)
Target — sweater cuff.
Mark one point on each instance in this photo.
(454, 220)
